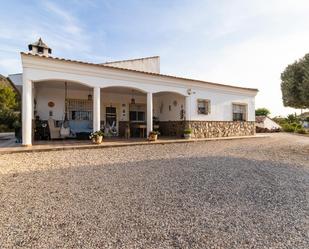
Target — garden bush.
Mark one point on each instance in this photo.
(288, 128)
(296, 126)
(301, 131)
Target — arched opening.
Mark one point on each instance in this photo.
(124, 112)
(169, 113)
(60, 103)
(50, 97)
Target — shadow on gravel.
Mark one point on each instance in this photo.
(177, 203)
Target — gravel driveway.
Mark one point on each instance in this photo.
(251, 193)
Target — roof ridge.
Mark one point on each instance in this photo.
(136, 59)
(137, 71)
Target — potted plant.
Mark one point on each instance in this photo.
(153, 135)
(96, 137)
(187, 133)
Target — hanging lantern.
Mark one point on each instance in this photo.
(89, 95)
(132, 99)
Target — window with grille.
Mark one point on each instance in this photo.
(137, 116)
(203, 106)
(137, 112)
(79, 109)
(239, 112)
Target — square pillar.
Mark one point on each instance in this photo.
(27, 112)
(96, 109)
(188, 108)
(149, 113)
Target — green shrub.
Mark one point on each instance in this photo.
(7, 119)
(4, 128)
(187, 131)
(301, 131)
(288, 128)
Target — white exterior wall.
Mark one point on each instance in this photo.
(151, 65)
(162, 103)
(221, 105)
(268, 124)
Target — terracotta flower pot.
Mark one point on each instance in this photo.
(97, 139)
(153, 137)
(187, 136)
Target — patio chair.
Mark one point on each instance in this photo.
(53, 130)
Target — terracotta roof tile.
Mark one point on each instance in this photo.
(260, 119)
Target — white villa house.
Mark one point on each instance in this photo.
(122, 96)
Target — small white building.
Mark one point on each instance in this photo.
(304, 117)
(265, 122)
(130, 94)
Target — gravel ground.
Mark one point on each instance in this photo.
(251, 193)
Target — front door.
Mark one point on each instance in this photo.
(111, 120)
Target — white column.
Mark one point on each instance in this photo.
(27, 106)
(96, 108)
(188, 108)
(149, 113)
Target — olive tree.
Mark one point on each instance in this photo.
(295, 84)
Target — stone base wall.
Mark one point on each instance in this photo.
(209, 129)
(122, 127)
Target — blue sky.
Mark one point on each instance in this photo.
(240, 42)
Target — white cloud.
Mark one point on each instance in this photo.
(71, 25)
(7, 64)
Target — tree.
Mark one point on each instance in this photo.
(292, 118)
(9, 105)
(262, 112)
(295, 84)
(8, 98)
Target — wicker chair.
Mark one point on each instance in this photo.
(53, 130)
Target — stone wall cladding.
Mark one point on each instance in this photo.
(122, 127)
(210, 129)
(207, 129)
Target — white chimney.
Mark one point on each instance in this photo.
(39, 47)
